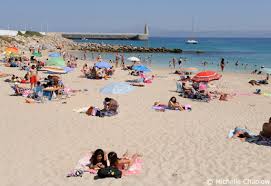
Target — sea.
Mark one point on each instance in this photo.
(251, 53)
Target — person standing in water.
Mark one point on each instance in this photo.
(174, 62)
(180, 61)
(169, 64)
(117, 60)
(222, 64)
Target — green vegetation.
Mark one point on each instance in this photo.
(30, 34)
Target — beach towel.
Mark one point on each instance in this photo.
(79, 169)
(163, 108)
(134, 169)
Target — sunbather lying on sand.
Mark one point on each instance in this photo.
(260, 82)
(264, 137)
(123, 163)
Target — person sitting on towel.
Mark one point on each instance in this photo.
(174, 105)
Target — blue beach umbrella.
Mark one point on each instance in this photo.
(117, 88)
(54, 55)
(141, 68)
(103, 64)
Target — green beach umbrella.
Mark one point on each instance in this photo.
(37, 54)
(56, 61)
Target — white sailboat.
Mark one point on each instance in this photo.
(192, 41)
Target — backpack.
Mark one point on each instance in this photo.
(109, 172)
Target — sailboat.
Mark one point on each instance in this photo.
(192, 41)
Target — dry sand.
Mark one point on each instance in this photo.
(41, 143)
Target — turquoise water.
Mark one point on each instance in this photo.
(255, 52)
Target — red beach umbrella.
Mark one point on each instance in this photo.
(12, 50)
(206, 76)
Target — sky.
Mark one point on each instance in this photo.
(164, 17)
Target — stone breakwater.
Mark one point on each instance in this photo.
(53, 41)
(94, 47)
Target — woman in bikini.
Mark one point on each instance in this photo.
(174, 105)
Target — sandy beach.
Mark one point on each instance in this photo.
(41, 143)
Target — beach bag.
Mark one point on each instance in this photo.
(109, 172)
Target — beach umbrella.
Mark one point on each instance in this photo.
(267, 70)
(103, 64)
(141, 68)
(54, 55)
(117, 88)
(206, 76)
(133, 59)
(12, 50)
(56, 62)
(37, 54)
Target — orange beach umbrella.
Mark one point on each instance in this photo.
(12, 50)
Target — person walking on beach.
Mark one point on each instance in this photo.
(150, 60)
(174, 62)
(222, 64)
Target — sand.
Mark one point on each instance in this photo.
(41, 143)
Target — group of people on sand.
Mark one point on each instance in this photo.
(193, 90)
(97, 73)
(30, 77)
(263, 138)
(105, 164)
(52, 85)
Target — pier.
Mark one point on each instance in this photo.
(109, 36)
